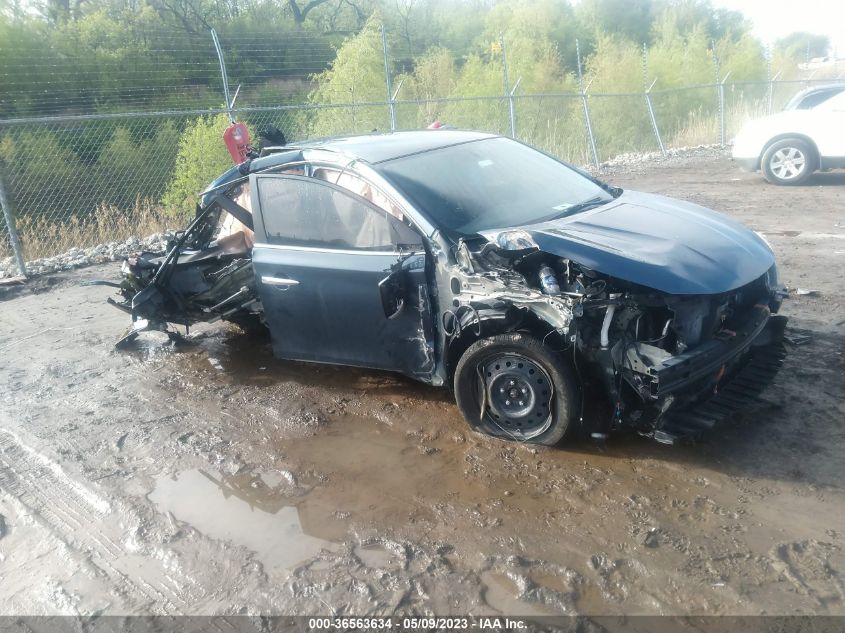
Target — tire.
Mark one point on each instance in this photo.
(789, 162)
(528, 411)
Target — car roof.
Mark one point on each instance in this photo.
(378, 148)
(800, 96)
(822, 87)
(371, 148)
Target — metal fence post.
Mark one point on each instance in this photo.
(769, 79)
(508, 92)
(653, 119)
(229, 102)
(772, 82)
(647, 94)
(722, 113)
(716, 74)
(512, 104)
(587, 122)
(391, 99)
(13, 232)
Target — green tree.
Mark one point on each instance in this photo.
(435, 77)
(356, 76)
(201, 157)
(130, 168)
(44, 177)
(621, 123)
(745, 58)
(692, 15)
(802, 46)
(628, 19)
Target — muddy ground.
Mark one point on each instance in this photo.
(211, 478)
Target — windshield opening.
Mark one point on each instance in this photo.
(489, 184)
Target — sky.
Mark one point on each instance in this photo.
(775, 18)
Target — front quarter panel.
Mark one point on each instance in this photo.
(814, 125)
(748, 144)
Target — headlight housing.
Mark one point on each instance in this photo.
(516, 240)
(772, 278)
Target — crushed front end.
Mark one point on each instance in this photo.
(675, 365)
(667, 365)
(206, 274)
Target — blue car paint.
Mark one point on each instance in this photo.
(669, 245)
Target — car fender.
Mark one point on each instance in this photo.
(758, 135)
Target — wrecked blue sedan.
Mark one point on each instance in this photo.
(549, 301)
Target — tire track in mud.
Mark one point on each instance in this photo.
(74, 515)
(807, 566)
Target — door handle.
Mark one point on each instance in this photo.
(278, 281)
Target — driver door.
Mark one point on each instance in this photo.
(829, 132)
(341, 280)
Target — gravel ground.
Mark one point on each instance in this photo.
(210, 478)
(81, 257)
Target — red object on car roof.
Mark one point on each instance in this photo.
(236, 138)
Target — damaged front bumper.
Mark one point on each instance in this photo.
(676, 372)
(713, 384)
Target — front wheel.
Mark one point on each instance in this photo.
(788, 162)
(512, 387)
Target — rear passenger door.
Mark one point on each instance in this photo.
(341, 280)
(829, 120)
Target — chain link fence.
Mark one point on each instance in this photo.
(82, 180)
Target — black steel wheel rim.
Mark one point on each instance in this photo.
(517, 396)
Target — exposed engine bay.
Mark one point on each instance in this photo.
(648, 351)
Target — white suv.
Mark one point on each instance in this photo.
(791, 145)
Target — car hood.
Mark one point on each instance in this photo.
(672, 246)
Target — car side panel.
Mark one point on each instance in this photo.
(827, 129)
(333, 312)
(823, 127)
(326, 304)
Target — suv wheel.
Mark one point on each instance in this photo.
(512, 387)
(789, 162)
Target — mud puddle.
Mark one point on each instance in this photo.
(501, 592)
(255, 516)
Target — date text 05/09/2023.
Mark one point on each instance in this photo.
(416, 623)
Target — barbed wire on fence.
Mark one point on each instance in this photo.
(83, 174)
